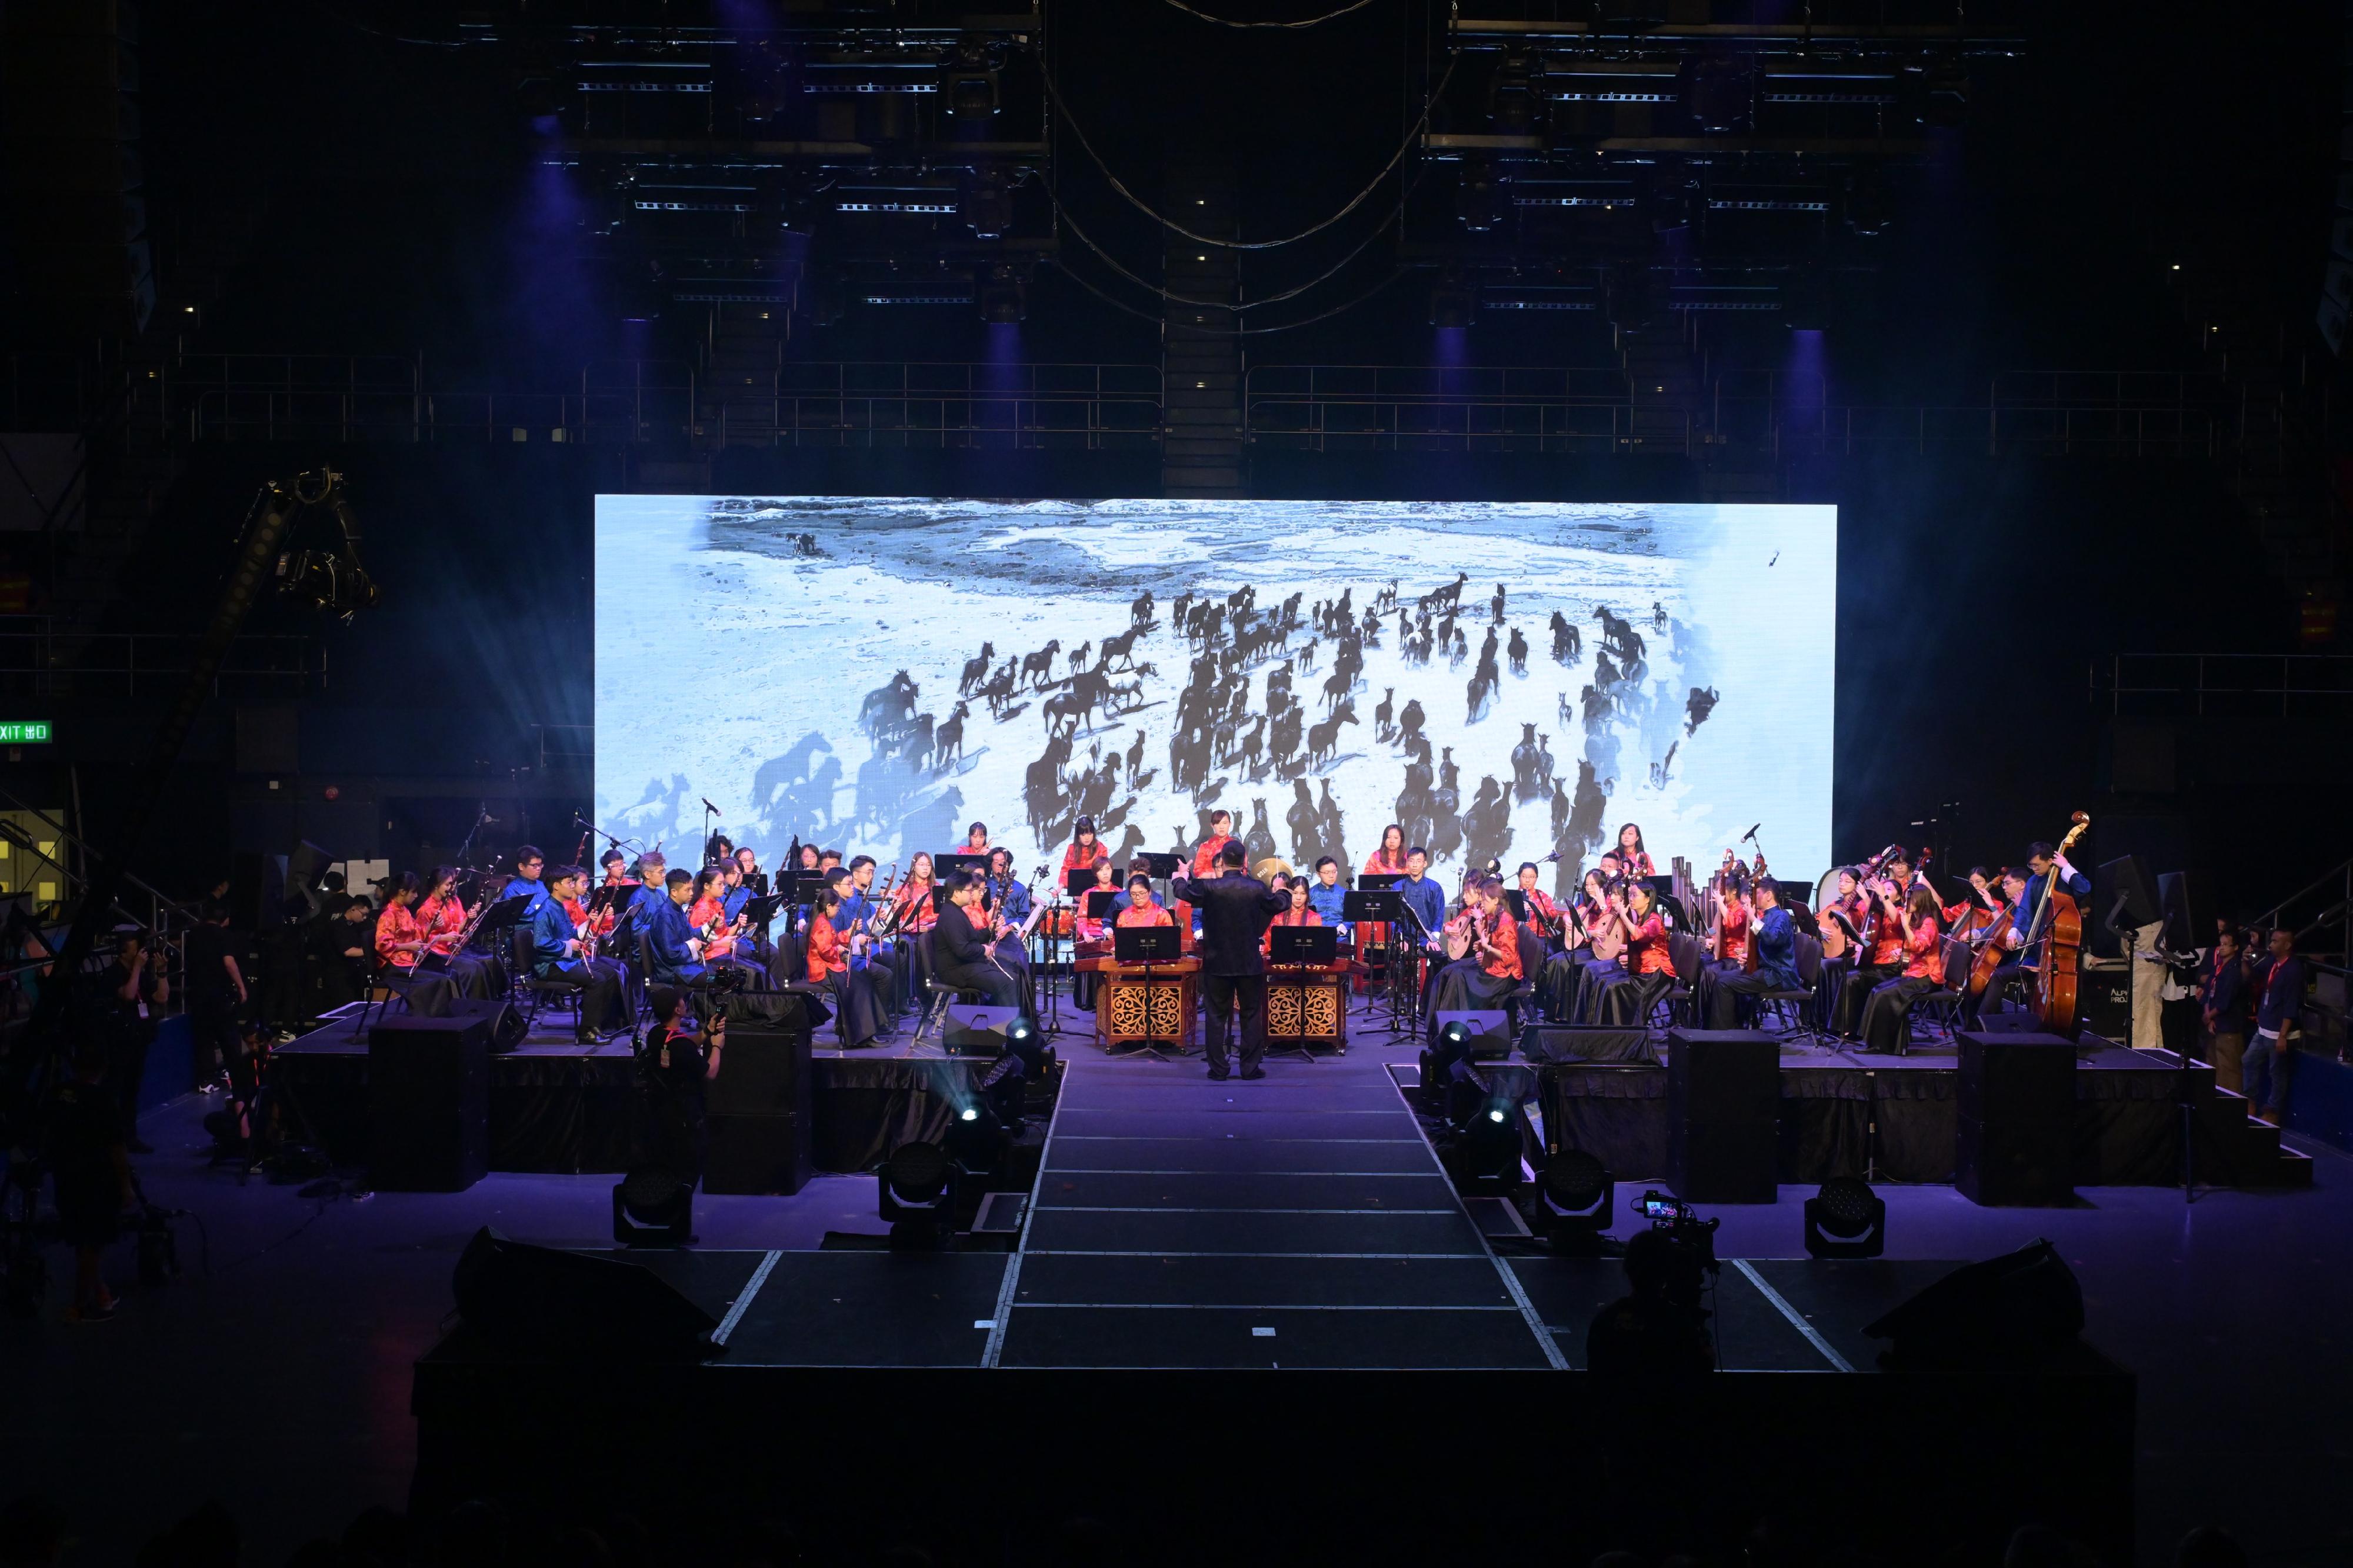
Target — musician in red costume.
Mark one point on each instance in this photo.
(441, 915)
(1298, 914)
(1488, 973)
(1206, 853)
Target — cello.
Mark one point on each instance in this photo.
(2061, 968)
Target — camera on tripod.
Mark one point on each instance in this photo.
(1681, 1222)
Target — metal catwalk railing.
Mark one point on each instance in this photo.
(1327, 408)
(2224, 686)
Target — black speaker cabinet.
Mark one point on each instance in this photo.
(976, 1029)
(508, 1028)
(2015, 1111)
(1723, 1101)
(756, 1113)
(429, 1104)
(543, 1303)
(1490, 1030)
(1553, 1044)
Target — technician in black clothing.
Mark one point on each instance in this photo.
(216, 997)
(1660, 1330)
(679, 1059)
(134, 990)
(1236, 910)
(960, 946)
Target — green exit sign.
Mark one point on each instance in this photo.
(24, 732)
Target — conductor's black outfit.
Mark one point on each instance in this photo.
(1235, 912)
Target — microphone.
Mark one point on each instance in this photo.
(1752, 831)
(711, 808)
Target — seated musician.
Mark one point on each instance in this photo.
(855, 911)
(652, 872)
(1143, 907)
(1884, 901)
(612, 868)
(1984, 897)
(1773, 930)
(725, 944)
(2015, 937)
(399, 937)
(1204, 864)
(1094, 930)
(963, 947)
(669, 931)
(1561, 981)
(555, 945)
(441, 915)
(1388, 860)
(1543, 924)
(1300, 913)
(1086, 853)
(1486, 975)
(734, 895)
(1325, 896)
(1923, 970)
(1633, 859)
(918, 914)
(837, 964)
(976, 839)
(526, 883)
(1624, 999)
(1012, 907)
(747, 866)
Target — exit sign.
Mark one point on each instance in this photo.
(23, 732)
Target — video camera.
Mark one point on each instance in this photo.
(1681, 1222)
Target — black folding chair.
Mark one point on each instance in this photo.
(524, 955)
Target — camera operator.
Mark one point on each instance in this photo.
(679, 1059)
(93, 1173)
(134, 990)
(1660, 1330)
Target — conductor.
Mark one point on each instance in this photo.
(1236, 910)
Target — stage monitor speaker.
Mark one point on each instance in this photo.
(2173, 909)
(1549, 1045)
(1490, 1028)
(2121, 889)
(976, 1029)
(541, 1303)
(1723, 1106)
(2008, 1311)
(2014, 1110)
(508, 1027)
(756, 1113)
(429, 1104)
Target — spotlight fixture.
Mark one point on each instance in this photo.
(975, 1141)
(1454, 302)
(1719, 92)
(1004, 302)
(1846, 1219)
(985, 204)
(1487, 1149)
(1516, 93)
(653, 1205)
(968, 85)
(918, 1195)
(1482, 203)
(1574, 1199)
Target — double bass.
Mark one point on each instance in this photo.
(2060, 969)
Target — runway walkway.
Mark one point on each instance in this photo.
(1300, 1220)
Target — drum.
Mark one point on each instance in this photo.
(1059, 921)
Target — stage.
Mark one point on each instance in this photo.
(1188, 1237)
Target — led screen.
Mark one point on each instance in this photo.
(1508, 680)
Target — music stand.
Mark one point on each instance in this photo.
(1099, 901)
(1517, 900)
(1079, 881)
(947, 864)
(1299, 949)
(1386, 905)
(1148, 945)
(1378, 881)
(1159, 868)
